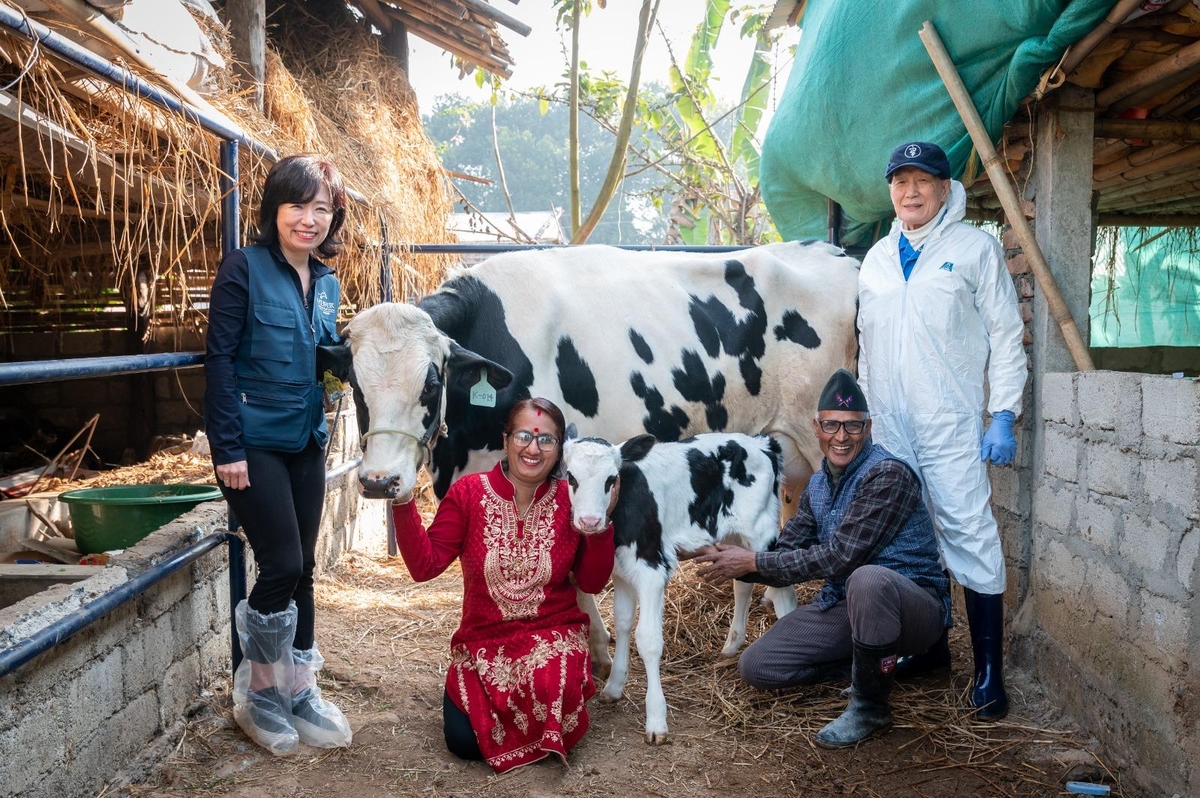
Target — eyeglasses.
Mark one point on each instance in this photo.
(545, 441)
(852, 427)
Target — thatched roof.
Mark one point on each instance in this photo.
(465, 28)
(1145, 70)
(110, 205)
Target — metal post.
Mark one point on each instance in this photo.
(230, 200)
(385, 264)
(237, 591)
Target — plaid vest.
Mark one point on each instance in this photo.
(911, 552)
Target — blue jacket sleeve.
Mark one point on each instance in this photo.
(227, 310)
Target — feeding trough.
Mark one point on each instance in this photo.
(118, 517)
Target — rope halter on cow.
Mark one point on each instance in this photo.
(436, 429)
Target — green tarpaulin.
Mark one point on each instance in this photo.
(1153, 296)
(862, 83)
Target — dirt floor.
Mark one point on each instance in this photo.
(385, 640)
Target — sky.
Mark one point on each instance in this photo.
(606, 42)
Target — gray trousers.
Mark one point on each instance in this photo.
(882, 608)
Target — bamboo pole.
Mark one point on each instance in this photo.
(1153, 129)
(1181, 60)
(1008, 197)
(1134, 159)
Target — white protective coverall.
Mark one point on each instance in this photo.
(925, 344)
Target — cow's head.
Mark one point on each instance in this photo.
(593, 466)
(403, 369)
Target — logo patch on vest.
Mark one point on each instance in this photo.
(325, 304)
(887, 664)
(947, 266)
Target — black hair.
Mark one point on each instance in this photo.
(297, 179)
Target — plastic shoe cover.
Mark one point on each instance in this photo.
(318, 722)
(266, 721)
(264, 712)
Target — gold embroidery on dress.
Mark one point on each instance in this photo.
(515, 677)
(517, 566)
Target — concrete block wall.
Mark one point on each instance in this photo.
(79, 715)
(1111, 623)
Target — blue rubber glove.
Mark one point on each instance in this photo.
(999, 445)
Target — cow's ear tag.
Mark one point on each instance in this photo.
(482, 393)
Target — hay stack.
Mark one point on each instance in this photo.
(132, 222)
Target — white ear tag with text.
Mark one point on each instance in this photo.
(483, 394)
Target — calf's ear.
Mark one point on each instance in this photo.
(464, 367)
(336, 359)
(637, 447)
(572, 432)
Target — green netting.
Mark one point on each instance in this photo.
(1147, 292)
(862, 83)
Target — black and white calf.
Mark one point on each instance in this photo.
(673, 498)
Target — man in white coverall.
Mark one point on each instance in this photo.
(936, 310)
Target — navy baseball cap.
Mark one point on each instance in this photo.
(922, 154)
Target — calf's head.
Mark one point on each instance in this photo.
(402, 370)
(592, 466)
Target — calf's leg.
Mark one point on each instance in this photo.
(598, 637)
(783, 599)
(624, 606)
(742, 591)
(651, 591)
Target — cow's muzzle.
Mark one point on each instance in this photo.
(381, 488)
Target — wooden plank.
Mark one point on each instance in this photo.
(51, 550)
(497, 16)
(49, 571)
(248, 29)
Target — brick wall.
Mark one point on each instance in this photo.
(1112, 623)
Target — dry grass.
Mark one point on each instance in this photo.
(134, 223)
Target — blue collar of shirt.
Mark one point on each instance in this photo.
(317, 268)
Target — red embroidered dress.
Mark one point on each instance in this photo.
(519, 662)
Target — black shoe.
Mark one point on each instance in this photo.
(869, 711)
(931, 660)
(986, 616)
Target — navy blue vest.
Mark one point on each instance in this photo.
(912, 552)
(276, 365)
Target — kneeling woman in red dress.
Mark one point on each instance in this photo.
(520, 672)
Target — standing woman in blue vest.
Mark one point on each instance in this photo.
(272, 304)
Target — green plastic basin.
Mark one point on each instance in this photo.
(118, 517)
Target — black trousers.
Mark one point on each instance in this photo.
(460, 737)
(281, 514)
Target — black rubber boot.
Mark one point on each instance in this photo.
(985, 613)
(868, 712)
(931, 660)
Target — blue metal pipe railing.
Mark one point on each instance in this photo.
(231, 230)
(344, 468)
(30, 371)
(43, 640)
(486, 249)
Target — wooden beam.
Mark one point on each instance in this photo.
(458, 47)
(1153, 129)
(374, 14)
(248, 29)
(497, 16)
(395, 40)
(1183, 59)
(1134, 159)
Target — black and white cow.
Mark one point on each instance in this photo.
(673, 498)
(626, 343)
